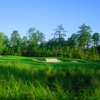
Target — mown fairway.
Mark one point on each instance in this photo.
(24, 78)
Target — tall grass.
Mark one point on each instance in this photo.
(49, 81)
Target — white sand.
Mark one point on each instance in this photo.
(52, 60)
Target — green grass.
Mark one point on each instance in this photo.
(22, 78)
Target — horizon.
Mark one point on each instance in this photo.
(46, 15)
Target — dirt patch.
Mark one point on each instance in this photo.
(52, 60)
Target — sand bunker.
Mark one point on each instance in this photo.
(48, 60)
(52, 60)
(74, 61)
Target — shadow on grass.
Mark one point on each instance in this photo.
(76, 78)
(73, 79)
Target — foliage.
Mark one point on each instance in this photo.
(2, 45)
(95, 38)
(79, 45)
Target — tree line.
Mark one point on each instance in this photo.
(82, 44)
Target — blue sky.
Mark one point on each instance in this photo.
(45, 15)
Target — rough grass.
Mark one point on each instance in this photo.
(21, 78)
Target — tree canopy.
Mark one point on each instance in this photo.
(82, 44)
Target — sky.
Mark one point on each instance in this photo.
(46, 15)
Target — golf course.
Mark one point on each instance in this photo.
(32, 78)
(50, 50)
